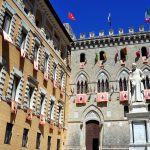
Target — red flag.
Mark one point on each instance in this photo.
(70, 16)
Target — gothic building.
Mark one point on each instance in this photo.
(34, 74)
(99, 90)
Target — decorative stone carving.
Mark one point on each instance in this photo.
(136, 87)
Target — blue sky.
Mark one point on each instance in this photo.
(91, 15)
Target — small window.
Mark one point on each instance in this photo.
(38, 140)
(122, 55)
(106, 86)
(61, 79)
(98, 86)
(36, 48)
(86, 87)
(31, 90)
(58, 144)
(46, 62)
(125, 84)
(126, 110)
(51, 109)
(82, 87)
(59, 114)
(15, 86)
(54, 71)
(102, 55)
(102, 86)
(49, 143)
(120, 85)
(82, 57)
(78, 87)
(25, 137)
(8, 133)
(7, 22)
(148, 107)
(23, 39)
(41, 102)
(144, 51)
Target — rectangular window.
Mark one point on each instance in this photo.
(46, 62)
(38, 140)
(49, 143)
(7, 22)
(61, 79)
(58, 144)
(15, 86)
(31, 90)
(8, 133)
(59, 114)
(41, 103)
(23, 39)
(54, 72)
(36, 47)
(51, 109)
(25, 137)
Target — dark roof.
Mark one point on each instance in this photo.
(58, 19)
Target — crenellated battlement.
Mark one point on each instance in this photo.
(112, 39)
(111, 32)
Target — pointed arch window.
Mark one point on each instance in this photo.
(103, 83)
(123, 82)
(82, 84)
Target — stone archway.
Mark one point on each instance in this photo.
(91, 117)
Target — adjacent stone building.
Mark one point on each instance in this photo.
(99, 89)
(34, 76)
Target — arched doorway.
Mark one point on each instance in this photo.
(92, 135)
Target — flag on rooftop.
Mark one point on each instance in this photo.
(147, 16)
(109, 19)
(70, 16)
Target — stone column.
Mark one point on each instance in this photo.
(148, 130)
(131, 132)
(84, 137)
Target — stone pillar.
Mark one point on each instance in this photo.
(131, 132)
(148, 130)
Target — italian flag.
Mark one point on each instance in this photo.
(147, 16)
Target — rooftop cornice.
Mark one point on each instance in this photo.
(112, 40)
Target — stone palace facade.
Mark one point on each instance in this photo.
(98, 105)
